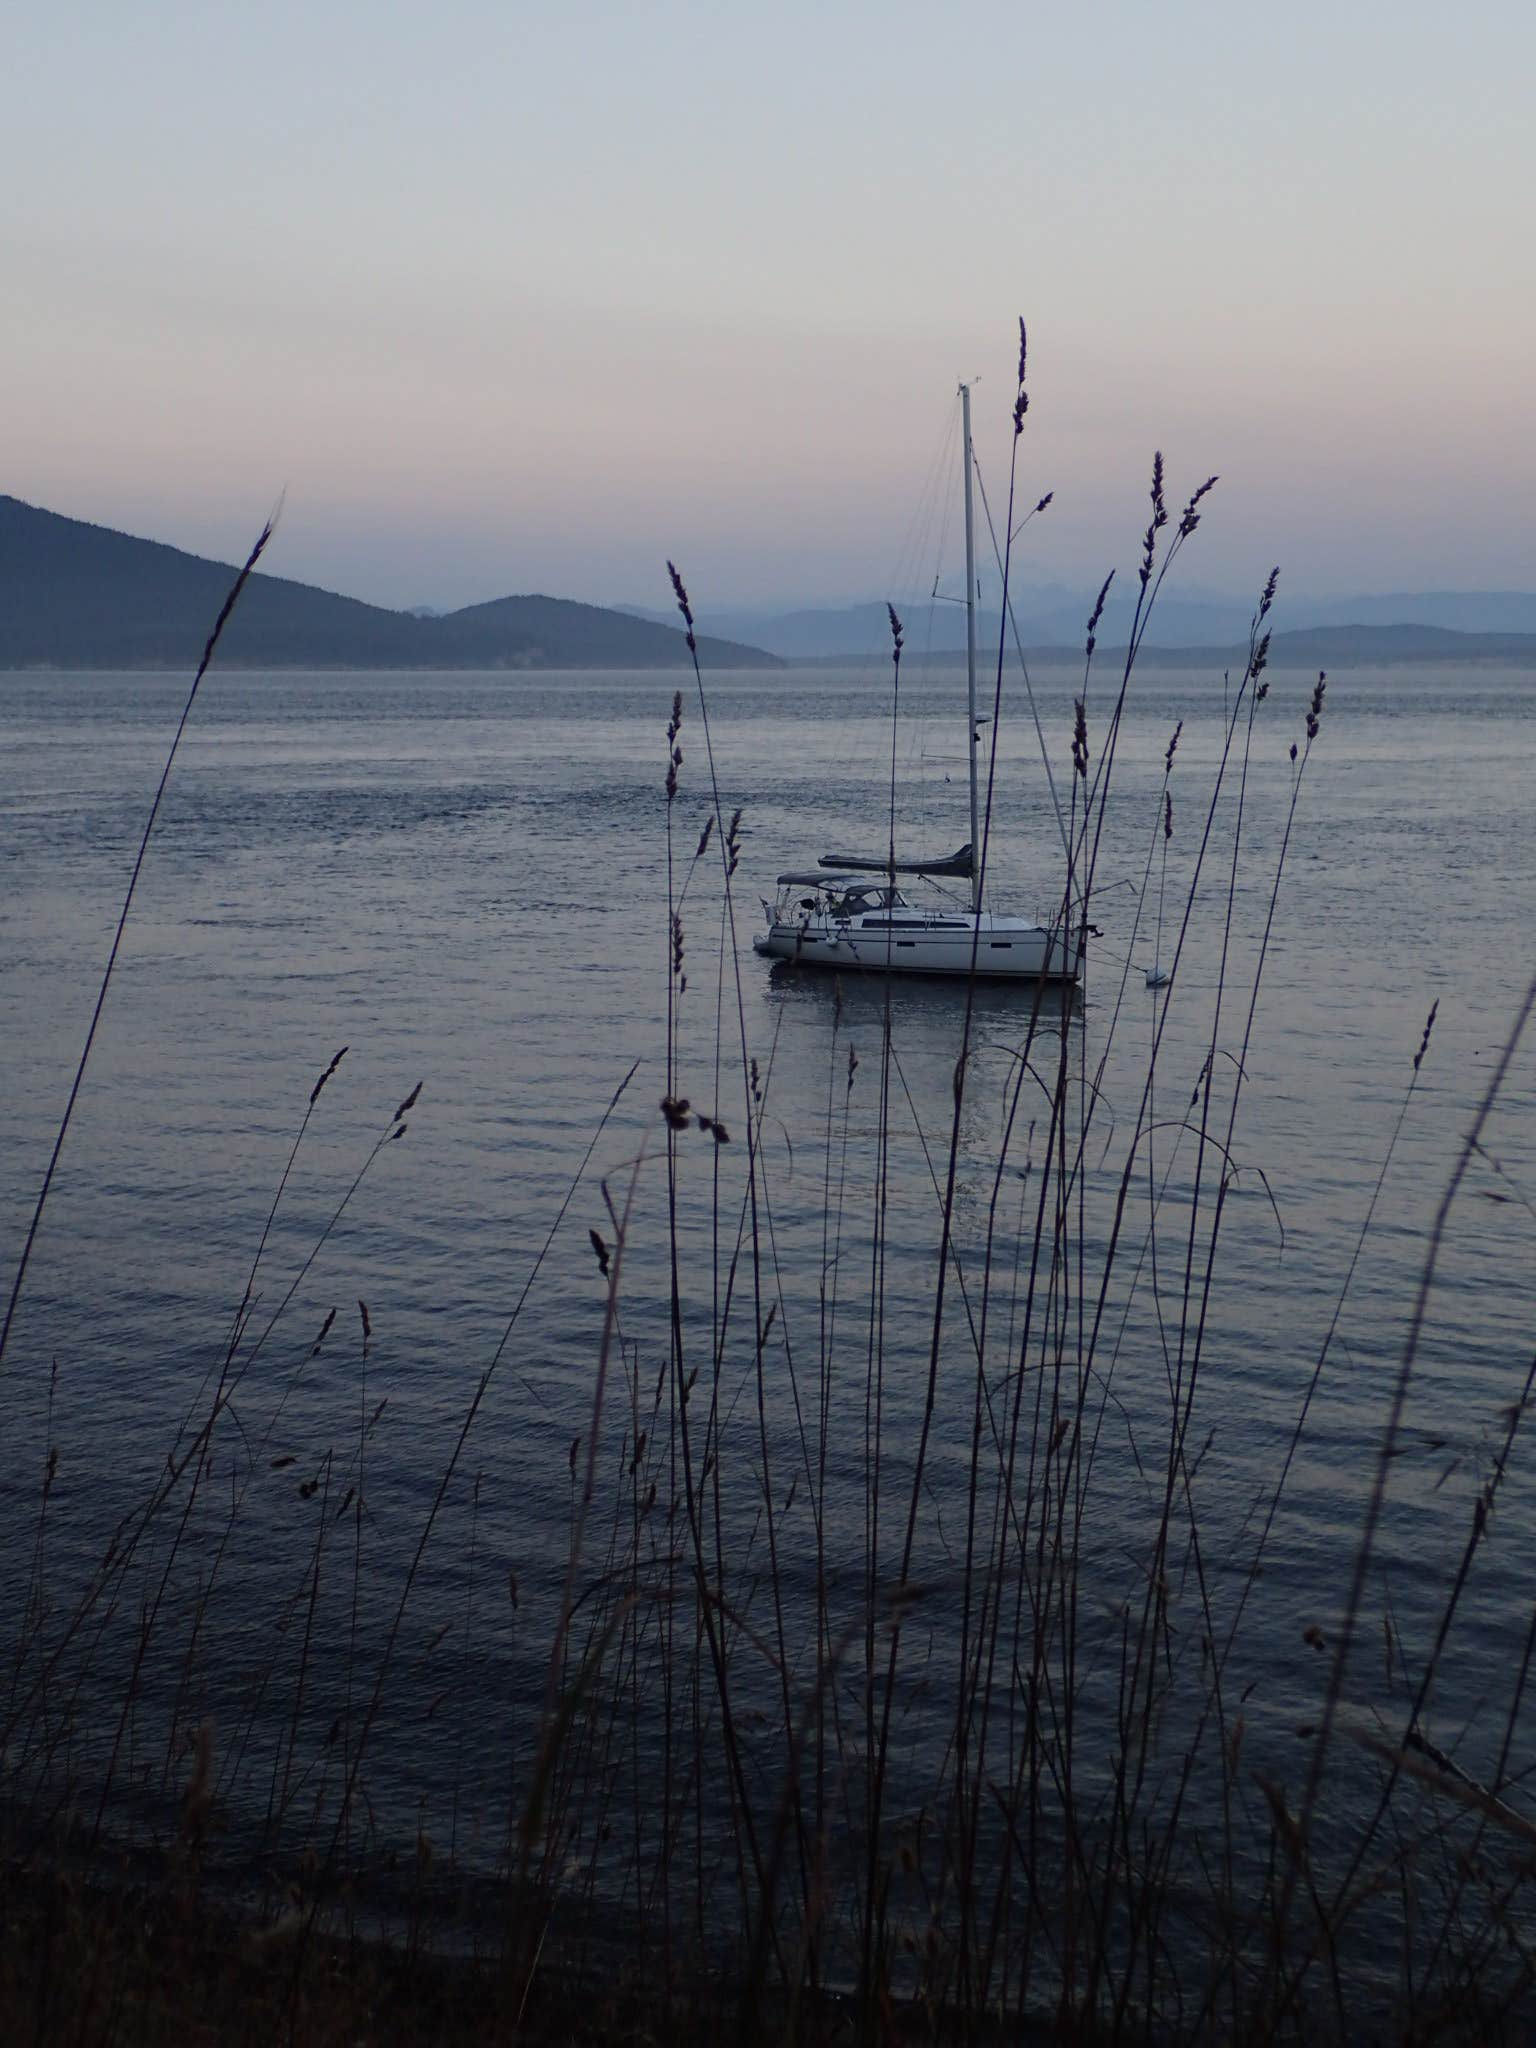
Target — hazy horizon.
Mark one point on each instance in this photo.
(1027, 591)
(533, 299)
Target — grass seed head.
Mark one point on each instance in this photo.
(314, 1093)
(1021, 400)
(1315, 708)
(674, 751)
(1189, 519)
(685, 608)
(1156, 523)
(1429, 1025)
(1098, 613)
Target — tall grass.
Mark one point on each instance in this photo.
(894, 1676)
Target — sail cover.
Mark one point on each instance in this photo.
(961, 862)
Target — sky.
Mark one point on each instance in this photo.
(513, 297)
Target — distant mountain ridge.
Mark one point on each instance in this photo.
(1461, 611)
(1045, 617)
(1311, 647)
(1050, 616)
(73, 595)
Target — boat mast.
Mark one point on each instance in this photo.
(970, 643)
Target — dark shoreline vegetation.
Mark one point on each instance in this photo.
(983, 1782)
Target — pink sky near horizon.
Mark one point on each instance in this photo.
(533, 297)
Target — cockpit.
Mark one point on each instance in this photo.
(834, 899)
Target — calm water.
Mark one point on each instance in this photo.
(462, 879)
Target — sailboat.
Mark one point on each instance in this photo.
(851, 912)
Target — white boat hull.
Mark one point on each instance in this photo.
(1004, 948)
